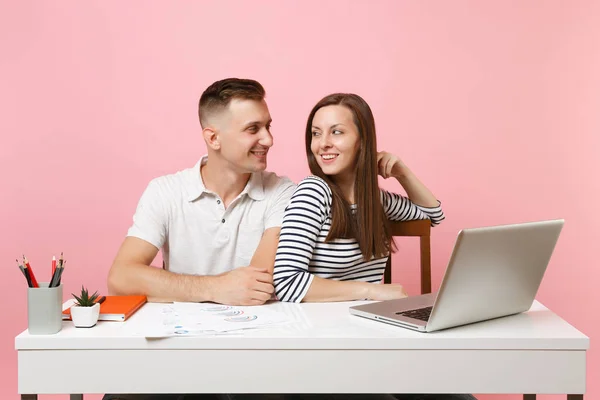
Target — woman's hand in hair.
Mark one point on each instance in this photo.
(390, 291)
(388, 165)
(391, 166)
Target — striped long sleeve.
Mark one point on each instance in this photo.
(400, 208)
(302, 222)
(302, 252)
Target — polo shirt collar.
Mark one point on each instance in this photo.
(195, 184)
(193, 180)
(254, 187)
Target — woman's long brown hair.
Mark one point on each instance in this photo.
(369, 226)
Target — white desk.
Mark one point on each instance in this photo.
(325, 350)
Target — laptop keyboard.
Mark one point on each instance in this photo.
(421, 313)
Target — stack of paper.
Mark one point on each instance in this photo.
(190, 319)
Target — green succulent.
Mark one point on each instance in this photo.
(84, 299)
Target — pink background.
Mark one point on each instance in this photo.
(495, 105)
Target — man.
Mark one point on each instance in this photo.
(217, 223)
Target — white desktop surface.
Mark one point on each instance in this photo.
(325, 350)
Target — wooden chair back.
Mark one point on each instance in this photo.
(422, 229)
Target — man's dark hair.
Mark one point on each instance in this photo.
(218, 95)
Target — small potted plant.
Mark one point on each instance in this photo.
(85, 311)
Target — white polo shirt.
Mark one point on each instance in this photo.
(197, 235)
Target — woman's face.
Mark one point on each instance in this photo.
(335, 141)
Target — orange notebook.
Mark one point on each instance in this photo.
(115, 308)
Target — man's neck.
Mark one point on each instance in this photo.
(227, 184)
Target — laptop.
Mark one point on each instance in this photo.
(493, 272)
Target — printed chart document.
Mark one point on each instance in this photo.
(190, 319)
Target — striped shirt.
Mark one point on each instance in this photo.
(302, 252)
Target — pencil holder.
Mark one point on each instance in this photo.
(44, 309)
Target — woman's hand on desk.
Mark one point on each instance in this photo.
(389, 291)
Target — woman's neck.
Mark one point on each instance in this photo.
(346, 184)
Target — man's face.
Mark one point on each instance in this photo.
(244, 135)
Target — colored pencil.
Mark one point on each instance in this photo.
(25, 272)
(28, 268)
(61, 272)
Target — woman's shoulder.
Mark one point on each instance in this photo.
(314, 190)
(314, 182)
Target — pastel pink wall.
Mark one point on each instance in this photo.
(495, 105)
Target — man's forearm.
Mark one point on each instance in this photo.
(158, 284)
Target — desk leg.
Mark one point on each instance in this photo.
(76, 397)
(29, 397)
(529, 397)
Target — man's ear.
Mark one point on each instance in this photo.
(212, 138)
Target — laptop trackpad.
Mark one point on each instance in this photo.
(390, 308)
(413, 302)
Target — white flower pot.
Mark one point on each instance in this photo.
(85, 317)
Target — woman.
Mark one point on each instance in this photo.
(335, 239)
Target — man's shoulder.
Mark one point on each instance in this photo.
(275, 183)
(174, 183)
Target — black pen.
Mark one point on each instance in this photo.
(101, 300)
